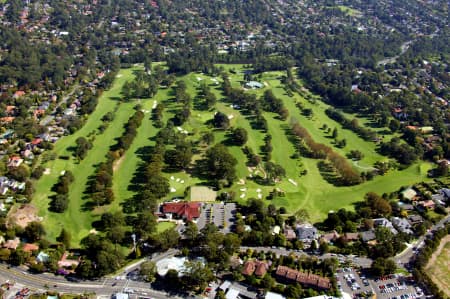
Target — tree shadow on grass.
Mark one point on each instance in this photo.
(328, 173)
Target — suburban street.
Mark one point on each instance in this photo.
(119, 282)
(102, 287)
(406, 255)
(48, 118)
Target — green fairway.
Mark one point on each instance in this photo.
(75, 220)
(308, 191)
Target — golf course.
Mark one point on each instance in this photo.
(308, 191)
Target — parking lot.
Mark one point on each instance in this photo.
(222, 215)
(389, 287)
(396, 287)
(350, 282)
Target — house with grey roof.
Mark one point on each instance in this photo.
(415, 219)
(383, 222)
(402, 225)
(307, 232)
(368, 236)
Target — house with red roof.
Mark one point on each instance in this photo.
(306, 279)
(7, 119)
(14, 161)
(29, 247)
(18, 94)
(182, 210)
(259, 268)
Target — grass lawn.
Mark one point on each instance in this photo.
(164, 225)
(75, 220)
(310, 191)
(348, 10)
(124, 169)
(439, 270)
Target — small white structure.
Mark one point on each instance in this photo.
(232, 293)
(173, 263)
(271, 295)
(121, 296)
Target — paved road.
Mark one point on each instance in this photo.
(105, 286)
(113, 284)
(407, 255)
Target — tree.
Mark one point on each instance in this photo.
(191, 232)
(274, 172)
(220, 164)
(208, 138)
(145, 224)
(197, 276)
(148, 271)
(221, 121)
(335, 133)
(239, 136)
(64, 237)
(167, 239)
(382, 266)
(231, 243)
(34, 231)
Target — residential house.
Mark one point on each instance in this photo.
(249, 268)
(29, 247)
(259, 268)
(306, 279)
(14, 161)
(383, 222)
(182, 210)
(405, 206)
(12, 244)
(414, 219)
(402, 225)
(427, 204)
(351, 237)
(289, 233)
(18, 94)
(330, 237)
(409, 194)
(42, 257)
(307, 233)
(66, 262)
(368, 236)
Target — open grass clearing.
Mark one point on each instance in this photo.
(164, 225)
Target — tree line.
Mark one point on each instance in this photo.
(364, 133)
(347, 175)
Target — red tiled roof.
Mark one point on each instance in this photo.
(187, 210)
(304, 278)
(36, 141)
(249, 268)
(19, 93)
(30, 247)
(10, 109)
(261, 269)
(7, 119)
